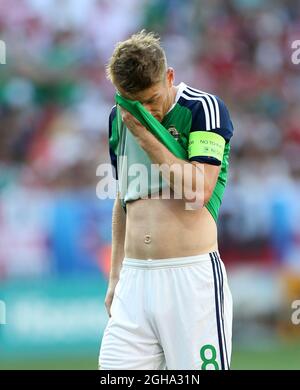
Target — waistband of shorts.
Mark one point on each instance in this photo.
(172, 262)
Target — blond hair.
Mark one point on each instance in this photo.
(137, 63)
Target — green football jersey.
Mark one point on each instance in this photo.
(199, 122)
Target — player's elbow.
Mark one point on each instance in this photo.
(208, 191)
(207, 195)
(199, 197)
(195, 198)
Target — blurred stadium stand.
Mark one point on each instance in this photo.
(54, 106)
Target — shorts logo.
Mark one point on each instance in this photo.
(174, 132)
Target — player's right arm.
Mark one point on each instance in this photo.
(118, 229)
(117, 253)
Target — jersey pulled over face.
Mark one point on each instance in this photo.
(158, 98)
(199, 121)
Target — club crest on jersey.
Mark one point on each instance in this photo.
(174, 132)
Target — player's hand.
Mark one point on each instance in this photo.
(110, 294)
(132, 123)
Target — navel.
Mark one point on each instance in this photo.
(147, 239)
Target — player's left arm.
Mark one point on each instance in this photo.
(210, 133)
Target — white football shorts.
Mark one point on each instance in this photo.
(169, 314)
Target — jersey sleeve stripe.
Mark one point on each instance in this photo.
(218, 122)
(205, 108)
(210, 103)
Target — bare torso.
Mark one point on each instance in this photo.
(162, 228)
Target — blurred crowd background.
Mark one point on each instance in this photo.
(54, 104)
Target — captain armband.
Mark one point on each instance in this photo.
(206, 143)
